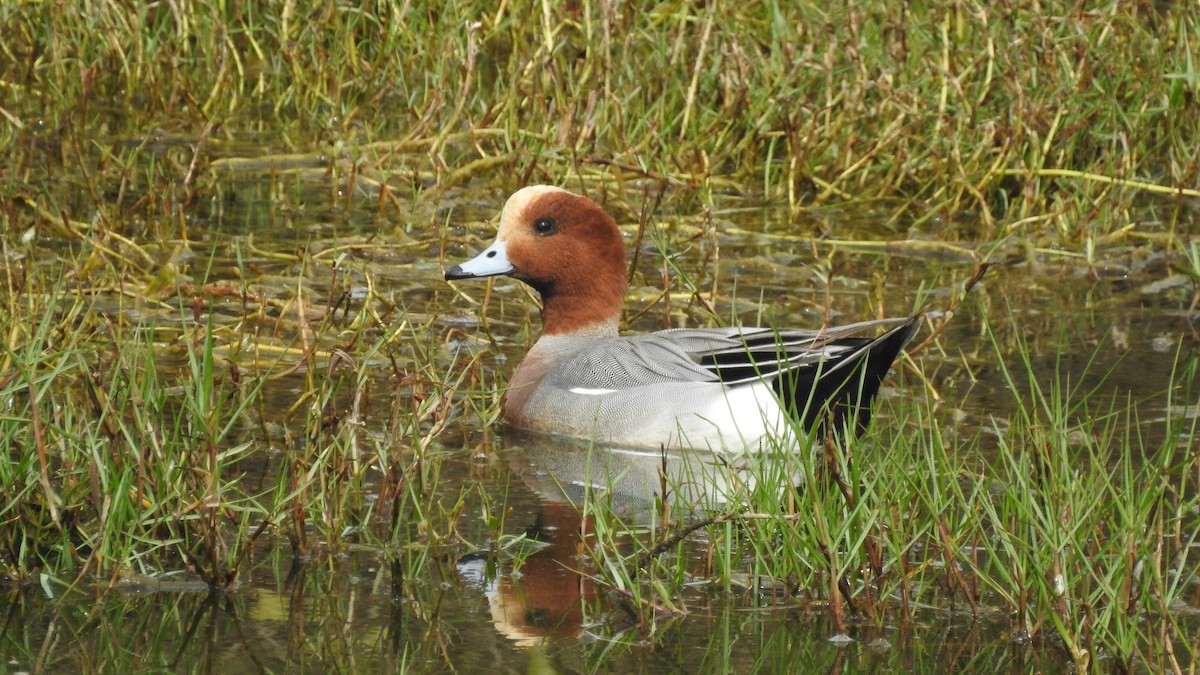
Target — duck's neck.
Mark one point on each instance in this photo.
(593, 314)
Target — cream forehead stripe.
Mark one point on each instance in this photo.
(520, 200)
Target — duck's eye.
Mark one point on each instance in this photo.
(545, 226)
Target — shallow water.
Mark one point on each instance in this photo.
(1114, 322)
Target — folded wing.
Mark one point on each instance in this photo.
(813, 372)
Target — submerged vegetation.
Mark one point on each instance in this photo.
(226, 339)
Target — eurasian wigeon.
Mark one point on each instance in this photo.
(708, 388)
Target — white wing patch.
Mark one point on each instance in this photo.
(591, 392)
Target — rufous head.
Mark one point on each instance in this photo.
(568, 249)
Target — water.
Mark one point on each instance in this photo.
(1112, 322)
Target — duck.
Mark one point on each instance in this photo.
(727, 389)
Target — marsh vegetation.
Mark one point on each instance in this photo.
(246, 424)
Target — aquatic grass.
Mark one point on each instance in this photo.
(1089, 506)
(1078, 528)
(148, 468)
(359, 474)
(1191, 256)
(606, 540)
(37, 510)
(172, 458)
(1044, 115)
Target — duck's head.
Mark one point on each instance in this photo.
(568, 249)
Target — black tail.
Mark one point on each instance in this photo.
(828, 391)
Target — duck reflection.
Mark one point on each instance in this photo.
(633, 483)
(549, 595)
(546, 598)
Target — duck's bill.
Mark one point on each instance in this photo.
(492, 262)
